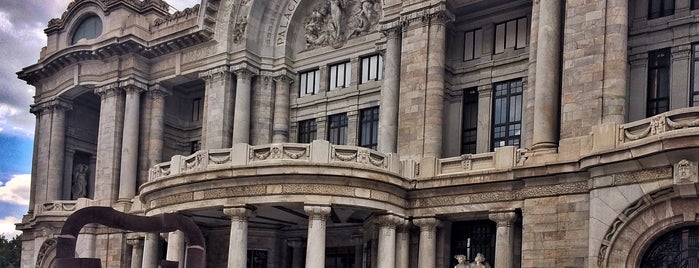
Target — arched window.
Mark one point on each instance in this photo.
(89, 28)
(678, 248)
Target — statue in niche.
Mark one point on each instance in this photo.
(79, 187)
(462, 262)
(333, 22)
(479, 262)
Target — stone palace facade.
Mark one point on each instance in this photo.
(372, 133)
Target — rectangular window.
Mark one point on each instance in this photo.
(372, 68)
(507, 113)
(511, 34)
(307, 131)
(694, 98)
(337, 129)
(473, 44)
(695, 4)
(257, 258)
(309, 83)
(196, 109)
(658, 96)
(194, 146)
(369, 127)
(661, 8)
(469, 121)
(340, 75)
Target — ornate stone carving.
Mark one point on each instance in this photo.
(333, 22)
(503, 219)
(240, 213)
(239, 30)
(685, 172)
(184, 14)
(479, 262)
(212, 73)
(316, 213)
(79, 185)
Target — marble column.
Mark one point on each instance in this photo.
(548, 76)
(238, 247)
(129, 144)
(68, 174)
(150, 251)
(387, 240)
(136, 252)
(156, 95)
(175, 247)
(504, 238)
(296, 245)
(434, 93)
(280, 132)
(109, 142)
(390, 89)
(35, 159)
(403, 244)
(615, 61)
(315, 245)
(57, 147)
(241, 127)
(428, 242)
(217, 122)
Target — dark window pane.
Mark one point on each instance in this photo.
(337, 129)
(507, 113)
(89, 28)
(657, 96)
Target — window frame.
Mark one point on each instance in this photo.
(653, 86)
(303, 83)
(337, 126)
(468, 128)
(476, 44)
(369, 122)
(516, 45)
(196, 109)
(78, 32)
(377, 74)
(307, 131)
(333, 74)
(663, 12)
(510, 125)
(694, 79)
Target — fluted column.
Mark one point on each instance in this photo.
(434, 93)
(156, 95)
(217, 122)
(428, 242)
(388, 116)
(504, 238)
(136, 251)
(548, 76)
(51, 119)
(241, 127)
(315, 245)
(129, 144)
(238, 247)
(150, 251)
(280, 132)
(296, 245)
(175, 247)
(615, 61)
(387, 240)
(109, 142)
(403, 244)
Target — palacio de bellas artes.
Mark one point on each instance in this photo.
(371, 133)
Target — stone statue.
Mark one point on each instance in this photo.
(479, 262)
(79, 186)
(462, 262)
(336, 7)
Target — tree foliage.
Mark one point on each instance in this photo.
(10, 251)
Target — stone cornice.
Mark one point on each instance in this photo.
(214, 72)
(436, 13)
(157, 6)
(50, 106)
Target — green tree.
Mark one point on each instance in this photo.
(10, 251)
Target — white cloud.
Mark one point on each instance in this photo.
(16, 190)
(7, 227)
(182, 4)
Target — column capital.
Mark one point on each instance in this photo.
(239, 213)
(157, 92)
(108, 91)
(389, 220)
(392, 30)
(503, 218)
(284, 78)
(426, 224)
(132, 86)
(58, 104)
(296, 242)
(214, 72)
(317, 212)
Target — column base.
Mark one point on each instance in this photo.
(123, 205)
(545, 147)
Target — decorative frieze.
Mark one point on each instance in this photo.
(332, 23)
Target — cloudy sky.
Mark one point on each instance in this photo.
(22, 24)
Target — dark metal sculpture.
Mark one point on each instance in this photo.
(168, 222)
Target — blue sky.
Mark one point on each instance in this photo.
(22, 24)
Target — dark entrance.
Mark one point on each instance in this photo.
(678, 249)
(472, 237)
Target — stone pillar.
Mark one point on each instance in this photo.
(679, 70)
(129, 144)
(615, 61)
(387, 240)
(434, 93)
(68, 174)
(390, 89)
(35, 160)
(358, 242)
(638, 87)
(280, 132)
(50, 150)
(109, 142)
(403, 244)
(238, 247)
(262, 109)
(548, 76)
(485, 105)
(297, 254)
(217, 122)
(150, 251)
(136, 252)
(428, 242)
(156, 96)
(504, 238)
(315, 249)
(175, 247)
(241, 129)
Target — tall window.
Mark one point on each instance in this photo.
(694, 98)
(196, 109)
(473, 44)
(507, 113)
(372, 68)
(511, 34)
(661, 8)
(369, 127)
(658, 96)
(309, 83)
(337, 129)
(89, 28)
(695, 4)
(340, 75)
(307, 131)
(257, 258)
(469, 121)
